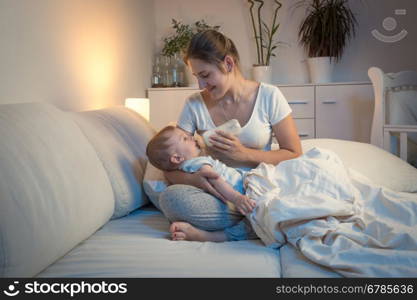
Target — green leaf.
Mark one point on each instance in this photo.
(178, 41)
(328, 26)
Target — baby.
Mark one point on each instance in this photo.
(174, 149)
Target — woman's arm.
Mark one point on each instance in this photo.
(285, 133)
(289, 145)
(178, 177)
(198, 179)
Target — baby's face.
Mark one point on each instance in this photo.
(184, 144)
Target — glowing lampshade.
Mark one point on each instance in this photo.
(140, 105)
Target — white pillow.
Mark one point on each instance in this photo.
(119, 136)
(380, 166)
(54, 191)
(154, 183)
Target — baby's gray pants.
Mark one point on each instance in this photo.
(190, 204)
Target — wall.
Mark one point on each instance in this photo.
(77, 54)
(289, 65)
(82, 54)
(366, 51)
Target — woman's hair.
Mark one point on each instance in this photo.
(212, 47)
(158, 150)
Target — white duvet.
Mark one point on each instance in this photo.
(335, 216)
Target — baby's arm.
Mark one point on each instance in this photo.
(242, 202)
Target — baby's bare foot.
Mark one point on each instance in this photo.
(184, 231)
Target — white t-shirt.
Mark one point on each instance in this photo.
(269, 109)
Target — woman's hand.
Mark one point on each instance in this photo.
(228, 145)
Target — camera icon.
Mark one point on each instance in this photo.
(11, 291)
(390, 24)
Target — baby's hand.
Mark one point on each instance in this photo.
(244, 204)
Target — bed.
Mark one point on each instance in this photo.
(73, 203)
(387, 187)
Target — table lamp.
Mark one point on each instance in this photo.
(140, 105)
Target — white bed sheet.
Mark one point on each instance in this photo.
(296, 265)
(138, 245)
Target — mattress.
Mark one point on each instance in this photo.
(138, 245)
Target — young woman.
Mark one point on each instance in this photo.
(262, 111)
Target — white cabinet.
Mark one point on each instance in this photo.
(166, 104)
(301, 100)
(306, 128)
(334, 110)
(344, 112)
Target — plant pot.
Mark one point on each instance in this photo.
(320, 69)
(190, 79)
(262, 74)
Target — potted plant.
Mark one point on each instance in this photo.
(264, 40)
(177, 43)
(324, 33)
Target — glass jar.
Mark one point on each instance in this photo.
(166, 71)
(156, 80)
(177, 71)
